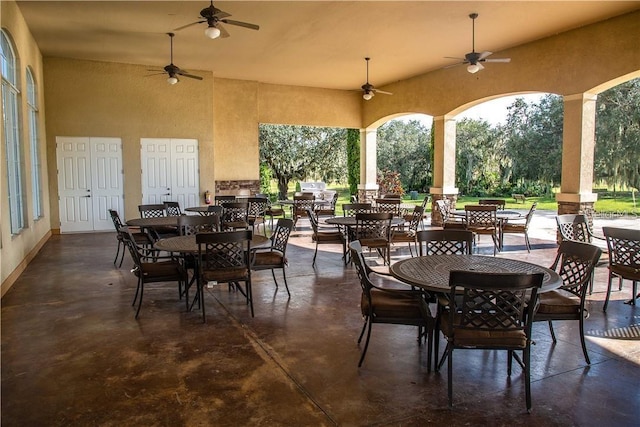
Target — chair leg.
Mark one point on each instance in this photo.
(553, 336)
(582, 341)
(122, 256)
(115, 260)
(135, 297)
(450, 376)
(366, 344)
(527, 376)
(606, 300)
(286, 285)
(140, 300)
(364, 327)
(509, 361)
(313, 263)
(526, 241)
(273, 274)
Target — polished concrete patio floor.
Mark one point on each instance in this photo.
(73, 354)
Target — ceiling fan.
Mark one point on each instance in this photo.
(173, 71)
(368, 90)
(473, 58)
(213, 17)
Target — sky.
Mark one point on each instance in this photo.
(495, 111)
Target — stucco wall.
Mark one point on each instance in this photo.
(87, 98)
(17, 250)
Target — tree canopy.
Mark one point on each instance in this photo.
(303, 152)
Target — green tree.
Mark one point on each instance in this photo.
(480, 159)
(533, 135)
(404, 147)
(353, 160)
(617, 157)
(300, 152)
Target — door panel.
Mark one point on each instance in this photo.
(107, 181)
(74, 184)
(156, 171)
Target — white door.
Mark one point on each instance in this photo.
(89, 182)
(170, 171)
(106, 181)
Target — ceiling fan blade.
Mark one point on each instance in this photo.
(191, 76)
(241, 24)
(480, 66)
(188, 25)
(223, 31)
(154, 74)
(484, 54)
(455, 65)
(454, 57)
(382, 91)
(498, 60)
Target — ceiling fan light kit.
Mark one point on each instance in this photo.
(212, 32)
(172, 80)
(475, 59)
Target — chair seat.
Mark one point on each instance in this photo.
(393, 305)
(374, 243)
(160, 271)
(403, 236)
(625, 271)
(515, 228)
(489, 338)
(328, 236)
(227, 275)
(268, 258)
(556, 302)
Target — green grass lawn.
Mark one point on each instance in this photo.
(621, 203)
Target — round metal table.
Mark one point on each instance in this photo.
(163, 221)
(350, 221)
(187, 244)
(201, 210)
(431, 273)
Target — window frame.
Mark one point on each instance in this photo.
(13, 138)
(34, 145)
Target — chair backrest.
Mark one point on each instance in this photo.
(493, 301)
(226, 253)
(624, 246)
(445, 242)
(191, 224)
(481, 215)
(303, 202)
(416, 217)
(313, 220)
(281, 234)
(257, 206)
(388, 205)
(443, 207)
(574, 263)
(497, 202)
(215, 210)
(530, 215)
(425, 202)
(223, 199)
(152, 211)
(351, 209)
(234, 212)
(115, 217)
(362, 269)
(574, 227)
(373, 225)
(172, 208)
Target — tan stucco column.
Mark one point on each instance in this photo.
(368, 187)
(578, 146)
(444, 164)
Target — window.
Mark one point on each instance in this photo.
(36, 183)
(11, 118)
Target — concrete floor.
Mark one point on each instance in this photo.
(73, 354)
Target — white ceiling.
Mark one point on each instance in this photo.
(304, 43)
